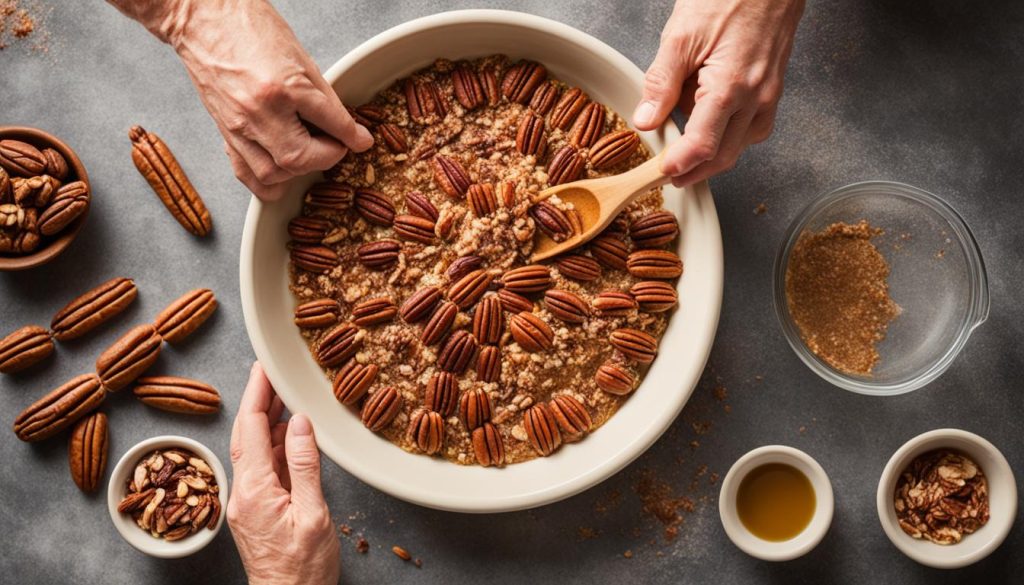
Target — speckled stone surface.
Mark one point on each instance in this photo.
(925, 93)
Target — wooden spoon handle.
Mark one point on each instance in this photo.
(641, 179)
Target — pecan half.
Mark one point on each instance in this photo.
(552, 220)
(533, 278)
(464, 265)
(589, 126)
(182, 317)
(308, 230)
(330, 196)
(374, 311)
(24, 348)
(512, 302)
(338, 345)
(654, 229)
(21, 158)
(412, 227)
(610, 251)
(482, 200)
(353, 381)
(59, 214)
(488, 364)
(466, 291)
(568, 107)
(572, 417)
(566, 166)
(613, 149)
(426, 429)
(578, 267)
(420, 304)
(126, 359)
(381, 408)
(636, 345)
(317, 313)
(92, 308)
(368, 115)
(393, 137)
(474, 408)
(440, 323)
(542, 429)
(423, 99)
(492, 88)
(59, 409)
(375, 207)
(614, 379)
(566, 306)
(317, 259)
(544, 98)
(654, 296)
(440, 394)
(451, 176)
(418, 204)
(488, 320)
(175, 394)
(56, 164)
(530, 135)
(660, 264)
(87, 451)
(467, 87)
(5, 186)
(614, 304)
(521, 80)
(488, 446)
(457, 352)
(531, 332)
(379, 255)
(506, 192)
(161, 170)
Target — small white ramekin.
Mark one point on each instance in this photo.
(142, 540)
(802, 543)
(1002, 493)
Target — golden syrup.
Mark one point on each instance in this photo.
(775, 502)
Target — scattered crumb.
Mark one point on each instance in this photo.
(702, 427)
(401, 553)
(802, 429)
(940, 254)
(362, 546)
(694, 444)
(418, 563)
(713, 478)
(610, 501)
(658, 500)
(628, 554)
(345, 529)
(721, 393)
(761, 209)
(587, 533)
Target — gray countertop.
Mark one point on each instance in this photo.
(926, 93)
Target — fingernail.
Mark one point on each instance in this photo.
(300, 425)
(644, 114)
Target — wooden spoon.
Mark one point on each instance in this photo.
(598, 201)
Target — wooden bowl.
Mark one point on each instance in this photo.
(51, 247)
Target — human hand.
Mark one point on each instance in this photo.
(722, 62)
(277, 512)
(278, 115)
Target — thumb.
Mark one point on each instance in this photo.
(663, 83)
(303, 463)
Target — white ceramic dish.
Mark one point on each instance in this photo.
(1002, 493)
(797, 546)
(607, 76)
(141, 539)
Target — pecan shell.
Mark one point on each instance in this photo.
(338, 345)
(466, 291)
(175, 394)
(375, 207)
(614, 304)
(317, 313)
(426, 429)
(636, 345)
(573, 419)
(568, 107)
(654, 229)
(374, 311)
(59, 409)
(521, 80)
(530, 135)
(441, 392)
(566, 306)
(440, 323)
(488, 446)
(533, 278)
(542, 429)
(488, 364)
(474, 408)
(654, 296)
(420, 304)
(317, 259)
(308, 230)
(126, 359)
(381, 408)
(488, 321)
(660, 264)
(611, 251)
(451, 176)
(566, 166)
(614, 379)
(21, 158)
(612, 149)
(87, 451)
(393, 137)
(578, 267)
(379, 255)
(93, 308)
(589, 126)
(531, 332)
(161, 170)
(182, 317)
(418, 204)
(353, 381)
(23, 348)
(412, 227)
(482, 199)
(457, 352)
(329, 196)
(467, 87)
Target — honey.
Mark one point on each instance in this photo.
(775, 502)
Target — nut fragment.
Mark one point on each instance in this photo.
(161, 170)
(87, 451)
(175, 394)
(23, 348)
(353, 381)
(126, 359)
(59, 409)
(542, 429)
(182, 317)
(941, 496)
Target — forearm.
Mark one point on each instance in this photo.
(172, 20)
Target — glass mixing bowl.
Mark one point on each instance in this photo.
(937, 278)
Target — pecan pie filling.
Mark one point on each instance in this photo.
(411, 267)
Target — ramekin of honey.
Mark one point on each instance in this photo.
(776, 503)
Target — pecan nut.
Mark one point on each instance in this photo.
(308, 230)
(488, 321)
(660, 264)
(440, 323)
(424, 101)
(126, 359)
(544, 98)
(93, 308)
(533, 278)
(467, 87)
(186, 314)
(488, 446)
(440, 393)
(568, 107)
(521, 80)
(393, 137)
(87, 451)
(482, 199)
(530, 135)
(636, 345)
(572, 417)
(339, 345)
(59, 409)
(654, 229)
(451, 176)
(614, 304)
(175, 394)
(24, 348)
(375, 207)
(21, 158)
(654, 296)
(374, 311)
(611, 251)
(512, 302)
(353, 381)
(426, 430)
(379, 255)
(56, 164)
(531, 332)
(330, 196)
(612, 149)
(474, 408)
(488, 364)
(318, 313)
(420, 304)
(59, 214)
(457, 352)
(566, 306)
(614, 379)
(412, 227)
(368, 115)
(542, 429)
(381, 408)
(552, 220)
(316, 259)
(161, 170)
(464, 265)
(589, 126)
(578, 267)
(418, 204)
(566, 166)
(466, 291)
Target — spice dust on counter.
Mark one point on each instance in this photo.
(837, 292)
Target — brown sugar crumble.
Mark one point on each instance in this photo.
(837, 292)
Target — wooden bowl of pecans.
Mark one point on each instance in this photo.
(168, 496)
(44, 197)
